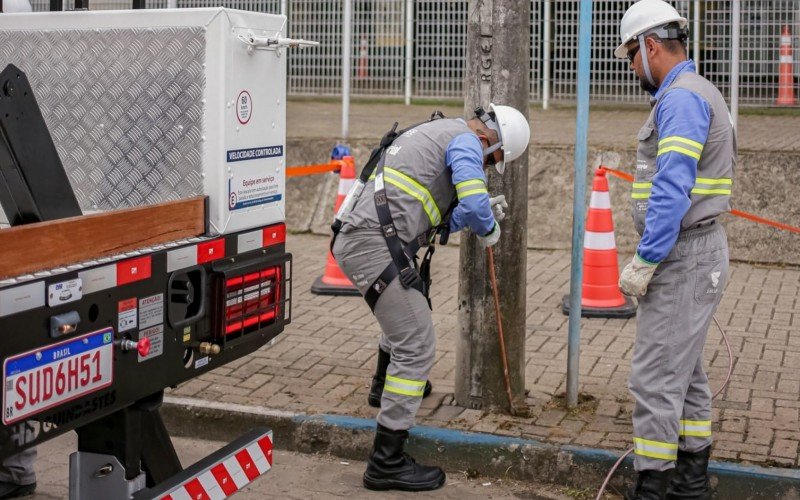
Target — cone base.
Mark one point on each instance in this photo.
(628, 310)
(321, 288)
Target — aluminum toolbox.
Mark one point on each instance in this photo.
(146, 106)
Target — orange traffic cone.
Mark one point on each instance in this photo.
(600, 296)
(785, 73)
(334, 281)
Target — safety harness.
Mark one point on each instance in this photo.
(412, 273)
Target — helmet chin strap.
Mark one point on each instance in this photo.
(645, 64)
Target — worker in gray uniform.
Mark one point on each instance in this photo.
(427, 179)
(683, 181)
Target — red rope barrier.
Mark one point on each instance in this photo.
(738, 213)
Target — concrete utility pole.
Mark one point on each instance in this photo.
(498, 56)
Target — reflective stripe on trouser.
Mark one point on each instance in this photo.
(667, 379)
(406, 325)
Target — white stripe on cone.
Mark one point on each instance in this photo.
(599, 241)
(600, 199)
(345, 185)
(786, 59)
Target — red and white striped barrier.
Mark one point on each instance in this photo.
(228, 476)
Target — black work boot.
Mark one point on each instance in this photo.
(376, 389)
(12, 490)
(389, 468)
(691, 476)
(650, 485)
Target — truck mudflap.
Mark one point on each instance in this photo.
(220, 474)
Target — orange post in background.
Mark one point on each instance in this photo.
(600, 296)
(785, 71)
(334, 281)
(363, 58)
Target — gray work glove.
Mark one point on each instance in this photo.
(491, 238)
(498, 203)
(636, 276)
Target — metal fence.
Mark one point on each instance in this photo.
(378, 51)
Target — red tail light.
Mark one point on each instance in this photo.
(252, 301)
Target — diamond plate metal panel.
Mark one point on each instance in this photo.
(124, 108)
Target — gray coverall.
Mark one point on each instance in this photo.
(673, 399)
(419, 190)
(18, 468)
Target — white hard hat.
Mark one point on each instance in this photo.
(12, 6)
(643, 16)
(515, 133)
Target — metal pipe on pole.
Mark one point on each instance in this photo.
(696, 35)
(347, 44)
(409, 47)
(736, 14)
(546, 47)
(579, 201)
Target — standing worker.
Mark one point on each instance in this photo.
(683, 180)
(421, 175)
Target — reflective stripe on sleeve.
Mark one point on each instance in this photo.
(655, 449)
(641, 190)
(681, 145)
(470, 187)
(405, 387)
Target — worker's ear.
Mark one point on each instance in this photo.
(651, 46)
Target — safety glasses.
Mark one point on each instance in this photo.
(632, 53)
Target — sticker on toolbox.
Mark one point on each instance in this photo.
(201, 362)
(244, 107)
(64, 292)
(40, 379)
(251, 189)
(254, 153)
(151, 311)
(156, 336)
(127, 315)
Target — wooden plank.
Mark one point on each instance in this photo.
(46, 245)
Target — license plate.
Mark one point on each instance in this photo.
(44, 378)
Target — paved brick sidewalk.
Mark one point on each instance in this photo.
(324, 361)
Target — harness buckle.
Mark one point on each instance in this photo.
(409, 277)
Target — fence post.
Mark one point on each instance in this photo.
(696, 30)
(735, 29)
(546, 47)
(347, 43)
(409, 47)
(284, 11)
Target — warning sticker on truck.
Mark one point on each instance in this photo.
(151, 311)
(247, 190)
(127, 315)
(156, 336)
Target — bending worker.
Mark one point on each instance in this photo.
(422, 174)
(683, 180)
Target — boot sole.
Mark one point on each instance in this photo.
(392, 484)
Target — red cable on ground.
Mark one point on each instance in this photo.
(738, 213)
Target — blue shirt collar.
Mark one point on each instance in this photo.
(683, 67)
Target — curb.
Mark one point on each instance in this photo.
(485, 454)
